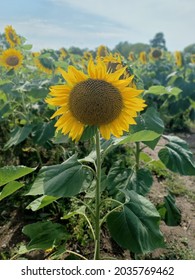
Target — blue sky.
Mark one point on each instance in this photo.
(90, 23)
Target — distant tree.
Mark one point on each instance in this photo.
(139, 47)
(158, 41)
(124, 48)
(190, 49)
(75, 50)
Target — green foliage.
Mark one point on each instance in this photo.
(44, 235)
(65, 179)
(169, 212)
(136, 226)
(177, 157)
(11, 173)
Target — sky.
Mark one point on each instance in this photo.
(90, 23)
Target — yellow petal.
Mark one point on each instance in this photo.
(105, 131)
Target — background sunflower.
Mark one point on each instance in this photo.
(11, 58)
(142, 57)
(11, 36)
(45, 64)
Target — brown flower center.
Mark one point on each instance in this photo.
(156, 53)
(12, 60)
(95, 102)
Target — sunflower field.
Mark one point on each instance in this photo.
(91, 161)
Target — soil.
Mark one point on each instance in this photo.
(180, 240)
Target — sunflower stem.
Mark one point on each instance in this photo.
(137, 155)
(97, 198)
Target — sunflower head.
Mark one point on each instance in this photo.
(63, 53)
(155, 54)
(131, 56)
(102, 51)
(178, 58)
(142, 57)
(115, 62)
(98, 98)
(45, 64)
(11, 36)
(87, 55)
(11, 59)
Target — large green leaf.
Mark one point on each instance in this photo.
(151, 121)
(44, 235)
(169, 211)
(18, 135)
(140, 181)
(136, 227)
(41, 202)
(177, 157)
(125, 178)
(159, 90)
(43, 132)
(140, 136)
(11, 173)
(117, 179)
(59, 180)
(10, 188)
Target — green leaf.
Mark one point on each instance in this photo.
(159, 90)
(10, 188)
(41, 202)
(151, 121)
(61, 180)
(177, 157)
(61, 138)
(173, 213)
(11, 173)
(140, 136)
(79, 211)
(136, 227)
(88, 133)
(27, 47)
(44, 235)
(125, 178)
(140, 181)
(4, 110)
(43, 132)
(18, 135)
(36, 93)
(117, 179)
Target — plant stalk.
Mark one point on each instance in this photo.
(137, 155)
(97, 198)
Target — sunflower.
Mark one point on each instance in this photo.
(44, 64)
(63, 53)
(192, 58)
(114, 62)
(142, 57)
(11, 58)
(102, 51)
(178, 58)
(131, 56)
(98, 98)
(11, 36)
(155, 54)
(87, 55)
